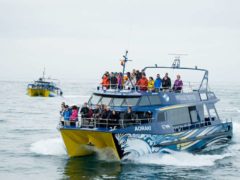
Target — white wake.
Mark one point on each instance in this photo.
(54, 147)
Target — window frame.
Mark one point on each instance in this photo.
(154, 96)
(139, 104)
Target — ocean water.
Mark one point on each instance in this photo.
(31, 146)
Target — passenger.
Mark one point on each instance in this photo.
(74, 115)
(138, 75)
(134, 71)
(120, 80)
(97, 112)
(129, 114)
(85, 111)
(150, 84)
(158, 83)
(63, 107)
(127, 83)
(133, 79)
(114, 118)
(114, 115)
(166, 82)
(106, 113)
(178, 84)
(67, 113)
(105, 81)
(148, 115)
(113, 81)
(143, 83)
(143, 73)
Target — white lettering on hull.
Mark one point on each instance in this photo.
(143, 128)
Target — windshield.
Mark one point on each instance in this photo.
(94, 99)
(117, 101)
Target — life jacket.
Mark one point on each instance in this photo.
(105, 81)
(143, 84)
(151, 85)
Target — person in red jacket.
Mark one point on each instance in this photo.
(105, 81)
(143, 83)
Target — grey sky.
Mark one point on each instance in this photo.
(78, 39)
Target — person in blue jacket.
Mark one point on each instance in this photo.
(67, 113)
(158, 83)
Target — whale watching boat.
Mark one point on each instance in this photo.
(183, 120)
(44, 87)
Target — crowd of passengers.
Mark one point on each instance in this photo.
(140, 81)
(101, 112)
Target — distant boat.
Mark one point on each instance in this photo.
(44, 87)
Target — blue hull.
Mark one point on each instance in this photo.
(192, 140)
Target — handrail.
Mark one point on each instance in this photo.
(104, 123)
(205, 76)
(187, 87)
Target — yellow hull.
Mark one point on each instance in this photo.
(86, 142)
(38, 92)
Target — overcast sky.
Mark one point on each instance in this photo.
(76, 39)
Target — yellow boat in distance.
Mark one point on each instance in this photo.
(44, 87)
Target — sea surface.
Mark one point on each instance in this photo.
(31, 146)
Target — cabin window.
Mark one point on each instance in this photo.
(161, 117)
(131, 101)
(94, 99)
(117, 101)
(105, 101)
(194, 114)
(144, 101)
(155, 100)
(203, 96)
(206, 115)
(178, 116)
(213, 114)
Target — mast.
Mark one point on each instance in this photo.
(43, 77)
(124, 62)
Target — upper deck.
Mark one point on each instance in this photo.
(120, 98)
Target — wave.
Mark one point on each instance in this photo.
(186, 159)
(75, 96)
(54, 147)
(180, 159)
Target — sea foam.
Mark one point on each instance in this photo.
(54, 147)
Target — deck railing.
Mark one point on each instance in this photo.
(104, 123)
(187, 87)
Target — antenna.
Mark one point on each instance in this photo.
(176, 63)
(44, 72)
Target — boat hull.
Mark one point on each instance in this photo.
(82, 142)
(86, 142)
(40, 92)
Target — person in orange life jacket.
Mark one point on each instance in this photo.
(143, 83)
(105, 81)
